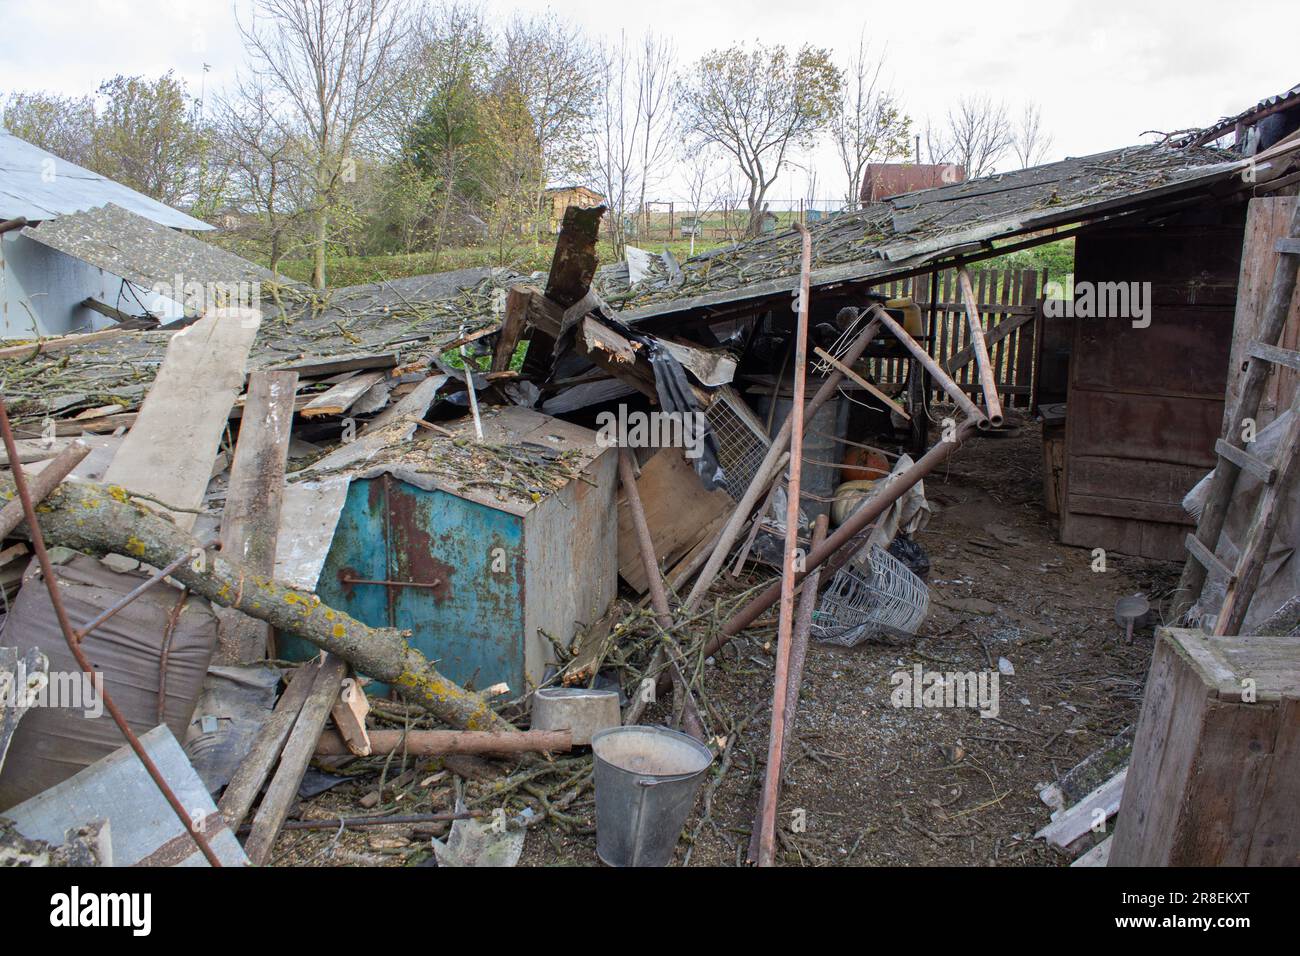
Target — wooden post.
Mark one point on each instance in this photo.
(988, 384)
(1215, 774)
(250, 523)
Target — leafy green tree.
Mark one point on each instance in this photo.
(758, 103)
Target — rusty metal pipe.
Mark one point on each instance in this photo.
(844, 534)
(767, 468)
(157, 578)
(60, 612)
(10, 224)
(980, 348)
(798, 655)
(785, 619)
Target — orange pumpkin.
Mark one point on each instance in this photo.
(862, 464)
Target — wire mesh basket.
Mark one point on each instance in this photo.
(880, 597)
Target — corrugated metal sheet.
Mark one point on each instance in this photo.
(37, 185)
(148, 254)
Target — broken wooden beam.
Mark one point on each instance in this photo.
(250, 521)
(42, 484)
(297, 754)
(339, 398)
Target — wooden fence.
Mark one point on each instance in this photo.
(1008, 301)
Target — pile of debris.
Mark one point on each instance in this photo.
(464, 534)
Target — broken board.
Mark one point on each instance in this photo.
(168, 453)
(678, 510)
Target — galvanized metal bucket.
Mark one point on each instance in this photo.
(646, 782)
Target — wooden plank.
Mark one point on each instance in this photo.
(1102, 803)
(342, 396)
(962, 358)
(1246, 461)
(297, 754)
(167, 455)
(252, 772)
(250, 521)
(512, 329)
(1209, 560)
(59, 343)
(320, 367)
(849, 373)
(678, 510)
(1267, 220)
(1288, 358)
(1097, 856)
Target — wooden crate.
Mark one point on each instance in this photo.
(1215, 775)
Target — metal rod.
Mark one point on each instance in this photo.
(785, 619)
(131, 596)
(767, 469)
(828, 552)
(51, 584)
(394, 584)
(980, 348)
(798, 655)
(9, 224)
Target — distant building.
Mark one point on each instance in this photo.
(883, 180)
(559, 198)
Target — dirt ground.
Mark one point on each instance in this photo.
(868, 783)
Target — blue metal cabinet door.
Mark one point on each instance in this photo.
(359, 549)
(472, 622)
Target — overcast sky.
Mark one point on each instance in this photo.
(1103, 71)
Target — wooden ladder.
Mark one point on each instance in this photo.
(1279, 478)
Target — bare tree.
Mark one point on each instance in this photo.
(551, 68)
(976, 134)
(269, 171)
(334, 62)
(615, 136)
(1029, 140)
(656, 123)
(756, 104)
(868, 126)
(700, 170)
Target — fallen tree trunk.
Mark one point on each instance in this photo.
(100, 519)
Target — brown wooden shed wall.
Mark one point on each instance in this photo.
(1145, 405)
